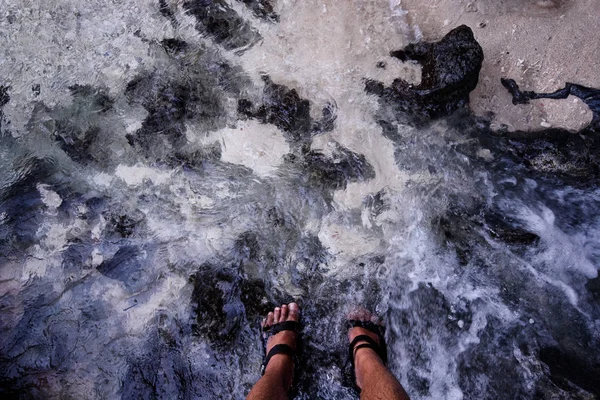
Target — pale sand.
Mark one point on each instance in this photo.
(540, 43)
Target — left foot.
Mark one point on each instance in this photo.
(282, 364)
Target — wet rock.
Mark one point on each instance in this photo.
(82, 129)
(174, 46)
(450, 71)
(377, 203)
(124, 225)
(490, 369)
(332, 172)
(167, 106)
(166, 11)
(590, 96)
(21, 205)
(77, 256)
(571, 365)
(197, 93)
(162, 370)
(593, 286)
(572, 157)
(4, 99)
(262, 9)
(77, 144)
(284, 108)
(217, 19)
(170, 104)
(221, 299)
(92, 99)
(508, 230)
(4, 96)
(127, 266)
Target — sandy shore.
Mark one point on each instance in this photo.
(540, 43)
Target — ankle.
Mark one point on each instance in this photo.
(365, 359)
(282, 367)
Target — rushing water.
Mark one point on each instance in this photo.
(167, 176)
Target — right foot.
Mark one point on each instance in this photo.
(282, 364)
(363, 356)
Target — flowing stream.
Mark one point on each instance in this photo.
(171, 170)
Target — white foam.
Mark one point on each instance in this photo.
(254, 145)
(49, 197)
(136, 175)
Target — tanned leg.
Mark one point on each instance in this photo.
(372, 376)
(277, 380)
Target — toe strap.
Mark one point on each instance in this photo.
(277, 349)
(283, 326)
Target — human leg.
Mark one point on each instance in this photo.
(277, 379)
(372, 376)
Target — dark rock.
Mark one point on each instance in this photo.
(4, 96)
(220, 298)
(74, 142)
(508, 230)
(127, 266)
(166, 11)
(125, 225)
(450, 71)
(285, 109)
(335, 172)
(218, 20)
(567, 365)
(262, 9)
(22, 206)
(170, 103)
(79, 129)
(162, 369)
(36, 89)
(593, 286)
(195, 91)
(91, 98)
(4, 99)
(590, 96)
(174, 46)
(377, 203)
(572, 156)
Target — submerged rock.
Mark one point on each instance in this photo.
(262, 9)
(555, 150)
(284, 108)
(217, 19)
(450, 72)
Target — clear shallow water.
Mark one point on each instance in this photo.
(151, 215)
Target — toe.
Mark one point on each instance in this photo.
(270, 319)
(277, 315)
(284, 313)
(294, 312)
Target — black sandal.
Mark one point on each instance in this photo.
(379, 348)
(279, 348)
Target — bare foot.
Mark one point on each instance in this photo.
(282, 365)
(363, 356)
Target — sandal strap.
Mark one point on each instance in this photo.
(283, 326)
(368, 325)
(379, 348)
(363, 338)
(366, 346)
(277, 349)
